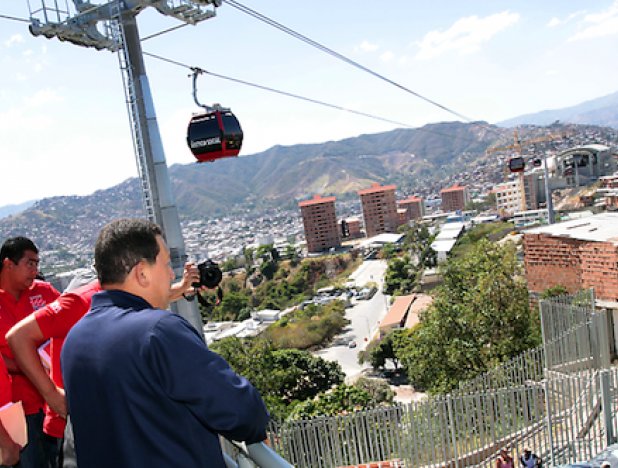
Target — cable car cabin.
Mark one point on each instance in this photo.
(214, 135)
(517, 164)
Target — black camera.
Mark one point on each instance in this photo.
(210, 274)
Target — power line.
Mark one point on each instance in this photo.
(297, 96)
(285, 93)
(14, 18)
(339, 56)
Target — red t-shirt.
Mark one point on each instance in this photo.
(55, 320)
(11, 312)
(5, 384)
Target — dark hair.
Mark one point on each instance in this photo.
(121, 245)
(14, 249)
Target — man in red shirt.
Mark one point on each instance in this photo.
(20, 295)
(53, 322)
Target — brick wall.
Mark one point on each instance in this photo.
(575, 264)
(552, 261)
(600, 269)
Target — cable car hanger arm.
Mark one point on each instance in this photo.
(198, 71)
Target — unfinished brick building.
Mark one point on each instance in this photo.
(576, 254)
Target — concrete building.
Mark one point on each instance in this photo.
(405, 312)
(402, 216)
(414, 206)
(320, 222)
(454, 198)
(379, 209)
(582, 165)
(577, 254)
(509, 194)
(350, 228)
(530, 218)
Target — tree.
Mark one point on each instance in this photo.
(479, 318)
(283, 377)
(249, 268)
(384, 350)
(400, 277)
(342, 399)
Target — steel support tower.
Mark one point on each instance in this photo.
(112, 25)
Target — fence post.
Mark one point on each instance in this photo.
(602, 330)
(548, 410)
(449, 408)
(542, 306)
(606, 403)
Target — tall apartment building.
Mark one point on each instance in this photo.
(320, 222)
(454, 198)
(415, 207)
(577, 254)
(379, 209)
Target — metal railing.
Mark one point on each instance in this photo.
(560, 400)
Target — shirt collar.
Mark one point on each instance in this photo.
(117, 298)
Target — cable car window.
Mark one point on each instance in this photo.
(231, 124)
(516, 164)
(202, 128)
(204, 134)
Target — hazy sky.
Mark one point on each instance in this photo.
(63, 121)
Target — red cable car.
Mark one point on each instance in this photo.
(517, 164)
(215, 133)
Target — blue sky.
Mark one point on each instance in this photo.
(64, 126)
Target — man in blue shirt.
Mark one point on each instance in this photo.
(142, 387)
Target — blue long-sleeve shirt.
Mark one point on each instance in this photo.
(144, 390)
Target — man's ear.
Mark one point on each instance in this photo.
(141, 274)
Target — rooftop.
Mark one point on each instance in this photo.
(316, 200)
(398, 310)
(453, 188)
(601, 227)
(375, 188)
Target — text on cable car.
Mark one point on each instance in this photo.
(207, 142)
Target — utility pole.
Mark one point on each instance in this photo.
(549, 202)
(113, 26)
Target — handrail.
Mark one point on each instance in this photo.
(259, 454)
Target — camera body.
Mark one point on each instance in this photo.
(210, 274)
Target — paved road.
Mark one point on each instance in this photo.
(364, 317)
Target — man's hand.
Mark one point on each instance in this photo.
(57, 401)
(190, 275)
(9, 450)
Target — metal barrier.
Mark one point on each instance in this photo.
(560, 400)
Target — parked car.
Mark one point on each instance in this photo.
(352, 344)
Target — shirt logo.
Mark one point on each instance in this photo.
(55, 307)
(37, 302)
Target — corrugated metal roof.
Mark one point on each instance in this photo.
(601, 227)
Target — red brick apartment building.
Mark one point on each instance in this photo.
(320, 222)
(454, 198)
(576, 254)
(379, 209)
(414, 206)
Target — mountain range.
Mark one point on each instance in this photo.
(601, 111)
(420, 160)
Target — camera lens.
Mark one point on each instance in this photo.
(210, 274)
